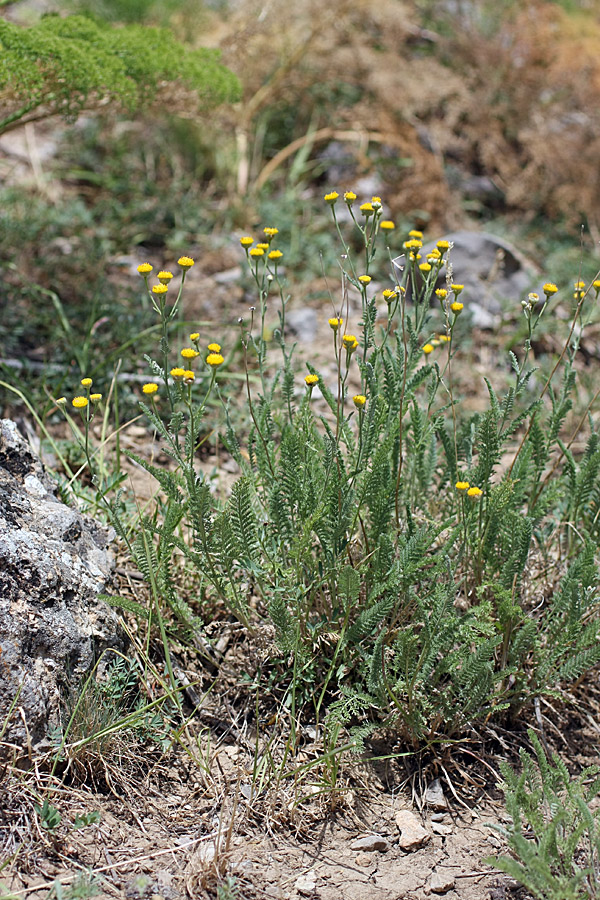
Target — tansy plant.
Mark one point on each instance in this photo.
(422, 567)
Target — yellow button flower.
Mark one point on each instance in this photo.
(194, 336)
(416, 234)
(214, 348)
(186, 262)
(164, 277)
(275, 254)
(427, 349)
(349, 341)
(367, 209)
(270, 232)
(331, 197)
(188, 376)
(246, 241)
(364, 279)
(359, 400)
(257, 251)
(474, 493)
(425, 267)
(389, 295)
(457, 307)
(387, 225)
(263, 246)
(189, 353)
(79, 402)
(549, 288)
(335, 323)
(95, 398)
(311, 380)
(159, 289)
(177, 372)
(441, 293)
(462, 485)
(62, 401)
(150, 388)
(214, 359)
(457, 288)
(443, 246)
(144, 269)
(349, 196)
(86, 382)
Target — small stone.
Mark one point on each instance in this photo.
(434, 796)
(440, 828)
(303, 323)
(412, 833)
(370, 843)
(441, 882)
(437, 817)
(363, 859)
(306, 884)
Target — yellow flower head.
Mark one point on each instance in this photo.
(159, 289)
(349, 341)
(434, 256)
(596, 285)
(389, 295)
(144, 269)
(177, 372)
(457, 288)
(86, 382)
(387, 225)
(413, 244)
(474, 493)
(164, 277)
(214, 348)
(62, 401)
(416, 234)
(270, 232)
(425, 267)
(257, 251)
(186, 262)
(331, 197)
(427, 349)
(444, 338)
(376, 202)
(189, 353)
(275, 254)
(367, 209)
(95, 398)
(364, 279)
(311, 380)
(80, 402)
(580, 285)
(462, 485)
(194, 336)
(549, 288)
(149, 388)
(214, 359)
(188, 376)
(349, 196)
(359, 400)
(335, 323)
(441, 293)
(246, 241)
(263, 246)
(456, 307)
(443, 246)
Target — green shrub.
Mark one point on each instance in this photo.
(554, 835)
(384, 535)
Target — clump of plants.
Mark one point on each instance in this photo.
(554, 834)
(420, 568)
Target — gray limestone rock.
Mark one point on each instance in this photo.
(53, 564)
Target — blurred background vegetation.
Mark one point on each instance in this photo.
(460, 113)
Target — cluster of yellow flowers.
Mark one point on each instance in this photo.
(259, 250)
(81, 401)
(374, 207)
(464, 487)
(164, 277)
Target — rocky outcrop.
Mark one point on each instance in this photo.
(53, 564)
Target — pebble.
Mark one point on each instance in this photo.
(370, 843)
(412, 833)
(441, 828)
(441, 882)
(434, 796)
(306, 884)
